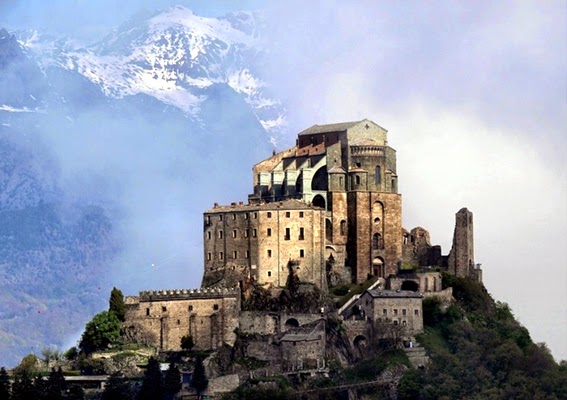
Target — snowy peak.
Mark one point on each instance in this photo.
(174, 56)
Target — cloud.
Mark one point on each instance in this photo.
(473, 98)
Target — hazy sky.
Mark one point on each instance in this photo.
(473, 96)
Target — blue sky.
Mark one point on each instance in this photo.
(472, 93)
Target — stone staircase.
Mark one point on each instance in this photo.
(417, 355)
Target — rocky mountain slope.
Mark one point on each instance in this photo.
(106, 152)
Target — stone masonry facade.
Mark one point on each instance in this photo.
(327, 209)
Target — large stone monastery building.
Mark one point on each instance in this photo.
(326, 211)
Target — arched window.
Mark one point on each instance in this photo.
(377, 241)
(319, 201)
(329, 230)
(343, 227)
(378, 175)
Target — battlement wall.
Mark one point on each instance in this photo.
(186, 294)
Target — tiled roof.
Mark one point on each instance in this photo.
(342, 126)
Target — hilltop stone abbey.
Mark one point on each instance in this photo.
(324, 213)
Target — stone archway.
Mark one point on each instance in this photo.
(412, 286)
(319, 201)
(291, 323)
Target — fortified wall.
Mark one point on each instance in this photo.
(163, 317)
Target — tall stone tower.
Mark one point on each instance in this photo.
(461, 258)
(349, 170)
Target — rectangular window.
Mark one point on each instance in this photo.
(301, 253)
(235, 254)
(208, 219)
(245, 215)
(209, 235)
(416, 312)
(384, 311)
(234, 232)
(403, 311)
(190, 308)
(163, 308)
(254, 233)
(209, 256)
(255, 215)
(246, 232)
(269, 253)
(215, 307)
(269, 214)
(269, 232)
(220, 217)
(220, 234)
(287, 234)
(287, 214)
(147, 311)
(395, 311)
(234, 216)
(221, 256)
(301, 214)
(301, 233)
(246, 254)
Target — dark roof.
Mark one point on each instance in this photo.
(290, 204)
(394, 294)
(341, 126)
(336, 170)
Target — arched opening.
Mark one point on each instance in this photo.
(378, 267)
(410, 285)
(329, 230)
(299, 183)
(291, 323)
(378, 175)
(376, 221)
(359, 346)
(320, 180)
(377, 242)
(343, 227)
(319, 201)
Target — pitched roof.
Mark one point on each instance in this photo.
(394, 294)
(342, 126)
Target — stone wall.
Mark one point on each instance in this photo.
(258, 242)
(461, 257)
(209, 316)
(400, 307)
(375, 226)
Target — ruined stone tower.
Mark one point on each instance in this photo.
(461, 258)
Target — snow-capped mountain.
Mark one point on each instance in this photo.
(172, 56)
(109, 154)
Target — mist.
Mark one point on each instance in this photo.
(473, 98)
(472, 94)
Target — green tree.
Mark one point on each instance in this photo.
(187, 342)
(118, 388)
(55, 385)
(199, 380)
(71, 354)
(172, 381)
(23, 388)
(101, 331)
(152, 385)
(116, 304)
(5, 385)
